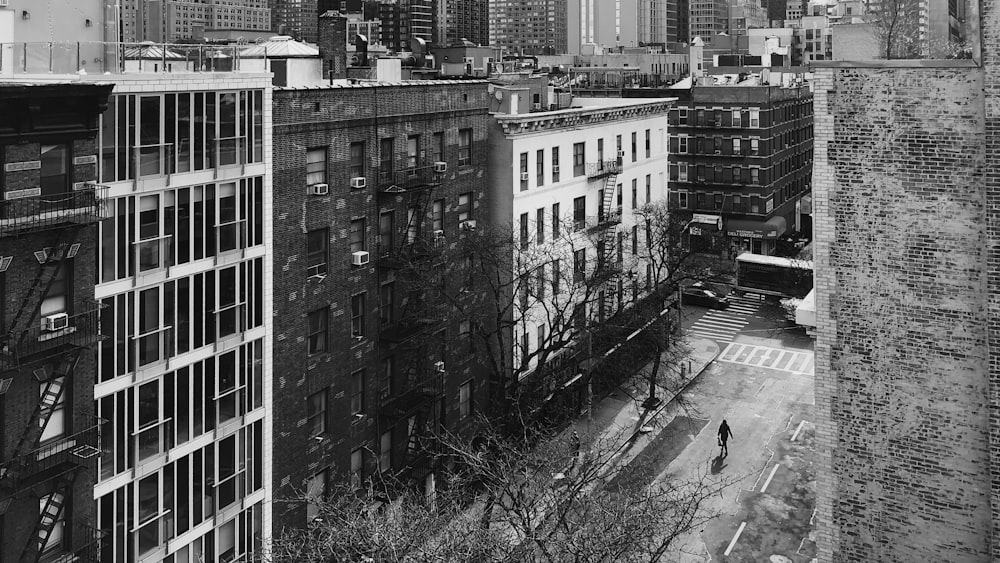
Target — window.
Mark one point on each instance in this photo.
(682, 200)
(317, 251)
(54, 176)
(358, 392)
(316, 166)
(437, 147)
(464, 207)
(635, 152)
(649, 148)
(754, 118)
(682, 116)
(579, 164)
(755, 176)
(618, 147)
(465, 407)
(682, 170)
(412, 153)
(736, 118)
(555, 221)
(316, 414)
(682, 145)
(736, 145)
(540, 282)
(540, 167)
(635, 193)
(385, 167)
(719, 198)
(754, 146)
(579, 213)
(464, 147)
(357, 235)
(649, 187)
(357, 467)
(579, 264)
(437, 215)
(55, 426)
(524, 231)
(317, 331)
(635, 239)
(385, 451)
(387, 303)
(385, 228)
(540, 225)
(600, 153)
(358, 316)
(555, 164)
(54, 541)
(556, 273)
(357, 165)
(412, 224)
(524, 171)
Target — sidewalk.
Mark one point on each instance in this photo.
(620, 417)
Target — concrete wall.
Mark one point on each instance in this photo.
(901, 353)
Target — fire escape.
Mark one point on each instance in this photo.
(47, 349)
(608, 217)
(409, 333)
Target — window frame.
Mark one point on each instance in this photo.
(313, 168)
(318, 334)
(317, 259)
(358, 315)
(316, 408)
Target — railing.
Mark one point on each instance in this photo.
(405, 401)
(407, 180)
(420, 248)
(99, 58)
(153, 160)
(230, 151)
(17, 347)
(90, 550)
(79, 449)
(603, 221)
(406, 328)
(31, 209)
(604, 168)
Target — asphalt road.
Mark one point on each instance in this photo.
(762, 384)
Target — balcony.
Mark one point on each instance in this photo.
(26, 210)
(603, 169)
(603, 221)
(421, 248)
(391, 184)
(413, 395)
(54, 457)
(18, 347)
(407, 328)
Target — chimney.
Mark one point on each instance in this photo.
(333, 44)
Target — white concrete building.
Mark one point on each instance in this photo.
(569, 182)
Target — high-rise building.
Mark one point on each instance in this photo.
(416, 20)
(466, 19)
(661, 22)
(174, 20)
(606, 24)
(50, 205)
(532, 27)
(296, 18)
(707, 18)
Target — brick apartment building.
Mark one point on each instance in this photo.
(371, 178)
(743, 153)
(908, 306)
(49, 208)
(532, 27)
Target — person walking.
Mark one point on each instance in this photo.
(724, 435)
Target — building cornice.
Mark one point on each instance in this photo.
(575, 118)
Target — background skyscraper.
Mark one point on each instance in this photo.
(296, 18)
(529, 26)
(466, 19)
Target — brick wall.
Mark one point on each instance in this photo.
(901, 350)
(333, 118)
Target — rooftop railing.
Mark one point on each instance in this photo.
(98, 58)
(77, 330)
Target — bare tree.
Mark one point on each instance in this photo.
(506, 499)
(895, 24)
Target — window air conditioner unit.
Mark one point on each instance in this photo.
(439, 234)
(58, 321)
(319, 189)
(440, 167)
(4, 3)
(621, 154)
(555, 168)
(468, 225)
(439, 366)
(718, 152)
(358, 182)
(524, 176)
(359, 258)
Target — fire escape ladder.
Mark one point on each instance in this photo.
(418, 202)
(49, 515)
(52, 391)
(607, 246)
(48, 269)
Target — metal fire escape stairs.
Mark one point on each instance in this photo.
(606, 243)
(49, 516)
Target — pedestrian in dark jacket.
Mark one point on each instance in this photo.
(724, 435)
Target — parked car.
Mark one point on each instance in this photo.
(700, 294)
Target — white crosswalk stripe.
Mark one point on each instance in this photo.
(724, 324)
(793, 361)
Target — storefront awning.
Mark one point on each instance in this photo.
(750, 228)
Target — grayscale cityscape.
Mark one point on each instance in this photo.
(499, 281)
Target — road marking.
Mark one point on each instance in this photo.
(769, 477)
(736, 537)
(799, 429)
(796, 362)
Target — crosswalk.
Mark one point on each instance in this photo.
(792, 361)
(724, 324)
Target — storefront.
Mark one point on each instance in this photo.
(752, 235)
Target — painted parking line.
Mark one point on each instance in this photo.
(736, 537)
(797, 430)
(769, 477)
